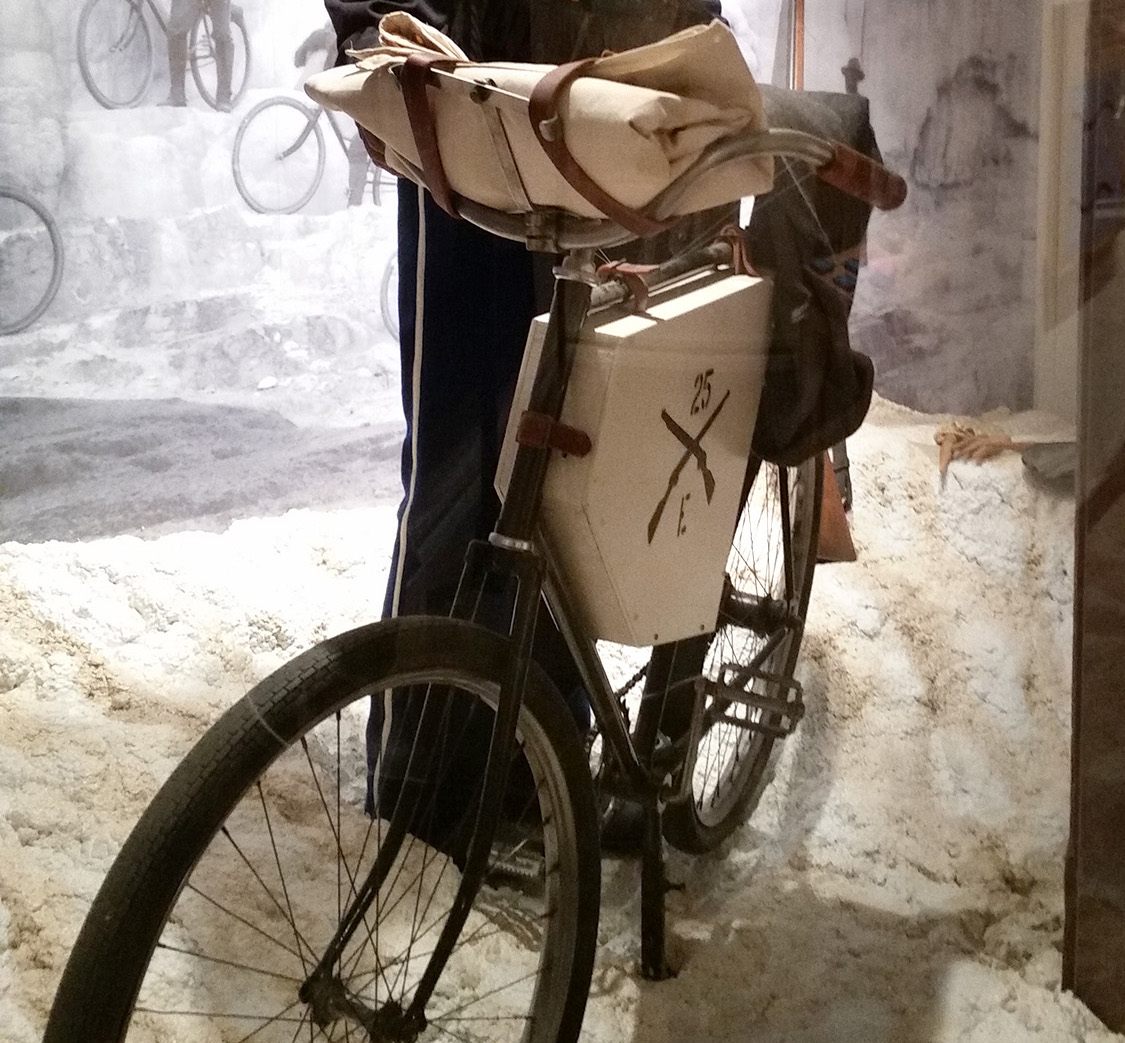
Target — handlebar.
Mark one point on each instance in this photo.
(852, 172)
(834, 163)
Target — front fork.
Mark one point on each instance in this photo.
(510, 552)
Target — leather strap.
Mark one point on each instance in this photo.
(543, 108)
(414, 76)
(632, 276)
(739, 251)
(376, 150)
(539, 431)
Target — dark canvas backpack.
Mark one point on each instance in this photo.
(809, 236)
(552, 31)
(565, 30)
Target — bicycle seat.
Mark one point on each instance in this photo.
(600, 138)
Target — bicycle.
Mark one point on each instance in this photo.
(279, 155)
(116, 55)
(460, 900)
(278, 163)
(31, 260)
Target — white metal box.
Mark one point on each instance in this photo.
(642, 525)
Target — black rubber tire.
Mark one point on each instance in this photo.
(380, 182)
(388, 295)
(201, 57)
(102, 979)
(13, 323)
(311, 134)
(684, 826)
(138, 37)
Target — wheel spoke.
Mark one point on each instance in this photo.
(288, 915)
(242, 920)
(281, 876)
(228, 963)
(341, 859)
(250, 912)
(218, 1015)
(771, 559)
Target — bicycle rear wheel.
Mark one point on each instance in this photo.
(381, 184)
(753, 651)
(31, 260)
(229, 889)
(201, 53)
(278, 156)
(388, 296)
(115, 52)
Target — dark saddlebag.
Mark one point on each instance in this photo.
(809, 237)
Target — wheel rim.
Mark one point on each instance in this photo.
(263, 887)
(115, 52)
(757, 566)
(30, 261)
(202, 58)
(278, 156)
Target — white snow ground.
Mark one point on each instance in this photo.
(901, 881)
(198, 478)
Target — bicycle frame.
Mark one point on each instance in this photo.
(159, 15)
(334, 123)
(162, 18)
(314, 119)
(515, 551)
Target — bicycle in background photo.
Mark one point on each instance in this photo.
(116, 53)
(31, 259)
(278, 161)
(280, 152)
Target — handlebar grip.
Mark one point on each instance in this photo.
(852, 172)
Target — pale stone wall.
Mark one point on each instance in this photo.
(33, 98)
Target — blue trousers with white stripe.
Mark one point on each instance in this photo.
(466, 300)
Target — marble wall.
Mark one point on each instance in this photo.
(946, 306)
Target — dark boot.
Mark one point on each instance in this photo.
(224, 72)
(177, 70)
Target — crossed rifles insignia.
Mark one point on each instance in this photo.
(693, 449)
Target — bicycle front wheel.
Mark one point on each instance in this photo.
(31, 260)
(205, 65)
(278, 156)
(752, 653)
(115, 52)
(234, 883)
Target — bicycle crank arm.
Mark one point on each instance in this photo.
(762, 615)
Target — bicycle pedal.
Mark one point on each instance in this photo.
(517, 859)
(789, 709)
(528, 865)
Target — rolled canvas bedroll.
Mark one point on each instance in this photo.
(600, 138)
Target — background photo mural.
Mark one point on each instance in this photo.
(199, 476)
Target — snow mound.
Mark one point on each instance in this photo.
(901, 880)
